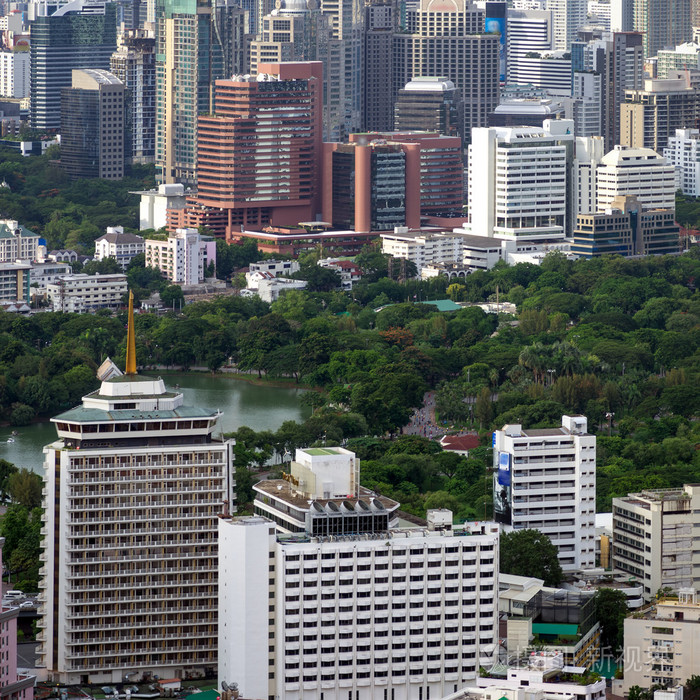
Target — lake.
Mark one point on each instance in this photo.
(258, 407)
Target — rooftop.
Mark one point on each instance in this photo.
(282, 490)
(79, 414)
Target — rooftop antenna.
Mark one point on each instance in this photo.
(131, 339)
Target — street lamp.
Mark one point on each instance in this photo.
(551, 372)
(609, 416)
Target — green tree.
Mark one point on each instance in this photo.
(530, 553)
(610, 611)
(7, 469)
(24, 487)
(483, 409)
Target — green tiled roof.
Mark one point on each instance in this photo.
(551, 628)
(80, 414)
(444, 304)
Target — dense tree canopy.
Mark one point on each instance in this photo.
(530, 553)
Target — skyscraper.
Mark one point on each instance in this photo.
(134, 63)
(429, 104)
(259, 153)
(380, 23)
(197, 43)
(80, 34)
(664, 23)
(133, 486)
(92, 125)
(448, 39)
(567, 17)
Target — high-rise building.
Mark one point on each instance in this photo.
(683, 153)
(649, 117)
(528, 31)
(80, 34)
(259, 155)
(626, 228)
(619, 60)
(197, 43)
(347, 26)
(567, 17)
(92, 125)
(133, 486)
(429, 104)
(517, 181)
(449, 40)
(134, 63)
(653, 538)
(380, 24)
(663, 23)
(14, 73)
(545, 480)
(584, 106)
(321, 592)
(635, 171)
(293, 33)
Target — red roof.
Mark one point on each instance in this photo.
(460, 443)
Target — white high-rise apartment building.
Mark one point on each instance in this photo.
(14, 73)
(600, 13)
(133, 486)
(654, 533)
(322, 595)
(683, 153)
(589, 154)
(545, 480)
(183, 257)
(636, 171)
(567, 17)
(517, 181)
(423, 249)
(584, 106)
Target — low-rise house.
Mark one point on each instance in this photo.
(123, 247)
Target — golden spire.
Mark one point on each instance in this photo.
(131, 339)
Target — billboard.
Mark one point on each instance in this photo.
(502, 490)
(497, 25)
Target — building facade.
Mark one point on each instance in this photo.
(183, 258)
(119, 245)
(322, 593)
(80, 34)
(527, 31)
(81, 293)
(635, 171)
(429, 104)
(664, 641)
(649, 117)
(92, 125)
(517, 181)
(381, 19)
(133, 485)
(134, 63)
(626, 229)
(664, 23)
(272, 177)
(197, 43)
(683, 153)
(449, 40)
(545, 480)
(14, 73)
(17, 242)
(681, 58)
(653, 535)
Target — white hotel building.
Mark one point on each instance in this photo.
(133, 486)
(327, 598)
(517, 181)
(544, 479)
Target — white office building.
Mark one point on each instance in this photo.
(133, 485)
(547, 70)
(683, 153)
(14, 73)
(123, 247)
(526, 31)
(636, 171)
(423, 248)
(589, 154)
(544, 479)
(517, 181)
(654, 533)
(680, 58)
(322, 594)
(155, 204)
(600, 13)
(183, 257)
(81, 293)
